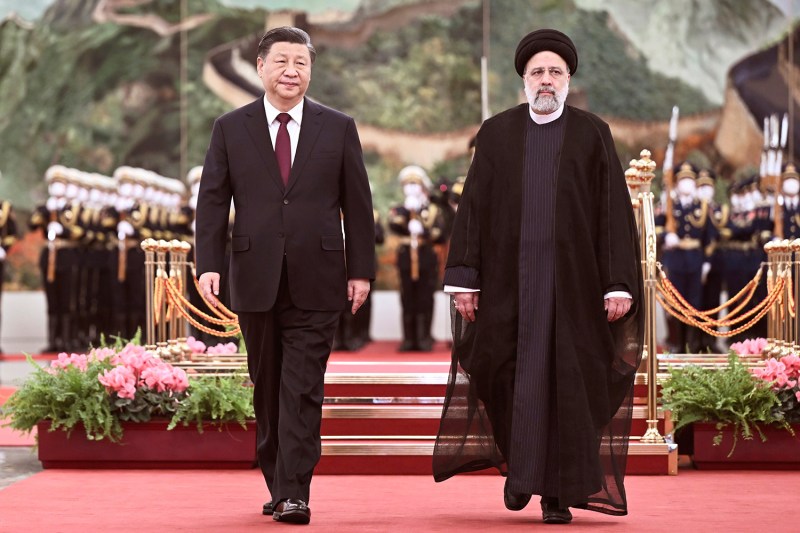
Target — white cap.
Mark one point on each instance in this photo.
(414, 173)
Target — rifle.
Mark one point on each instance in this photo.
(122, 250)
(670, 226)
(51, 249)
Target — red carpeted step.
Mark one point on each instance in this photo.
(381, 419)
(375, 455)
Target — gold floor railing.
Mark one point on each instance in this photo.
(639, 176)
(169, 312)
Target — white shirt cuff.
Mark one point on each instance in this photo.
(618, 294)
(450, 289)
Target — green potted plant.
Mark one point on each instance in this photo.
(726, 404)
(127, 395)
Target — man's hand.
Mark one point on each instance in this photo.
(357, 291)
(209, 287)
(466, 304)
(616, 308)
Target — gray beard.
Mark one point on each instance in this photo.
(544, 104)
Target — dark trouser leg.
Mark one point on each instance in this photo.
(712, 289)
(288, 350)
(424, 289)
(264, 367)
(408, 300)
(409, 333)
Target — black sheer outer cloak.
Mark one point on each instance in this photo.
(597, 249)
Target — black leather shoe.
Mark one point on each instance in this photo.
(292, 511)
(515, 501)
(552, 514)
(267, 508)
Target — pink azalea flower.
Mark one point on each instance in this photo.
(760, 344)
(749, 346)
(120, 380)
(101, 354)
(223, 349)
(180, 381)
(78, 361)
(792, 363)
(195, 345)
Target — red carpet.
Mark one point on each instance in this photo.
(64, 501)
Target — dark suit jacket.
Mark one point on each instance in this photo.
(302, 220)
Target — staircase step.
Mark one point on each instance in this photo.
(401, 419)
(413, 455)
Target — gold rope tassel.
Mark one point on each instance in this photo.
(749, 289)
(761, 308)
(181, 304)
(206, 329)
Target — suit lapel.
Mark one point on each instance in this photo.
(309, 131)
(257, 127)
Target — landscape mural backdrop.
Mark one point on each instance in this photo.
(96, 84)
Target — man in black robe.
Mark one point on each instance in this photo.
(545, 238)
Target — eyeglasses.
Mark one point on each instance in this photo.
(555, 73)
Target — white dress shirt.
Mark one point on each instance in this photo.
(293, 125)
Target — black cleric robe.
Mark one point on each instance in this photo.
(592, 363)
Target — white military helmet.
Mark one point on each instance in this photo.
(415, 174)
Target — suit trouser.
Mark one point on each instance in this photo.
(287, 353)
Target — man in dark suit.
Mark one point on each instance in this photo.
(295, 172)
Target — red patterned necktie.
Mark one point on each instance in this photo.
(283, 147)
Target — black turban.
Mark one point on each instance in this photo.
(546, 39)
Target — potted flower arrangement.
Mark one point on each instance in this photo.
(728, 406)
(127, 395)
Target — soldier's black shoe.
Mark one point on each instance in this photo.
(407, 346)
(515, 501)
(552, 514)
(267, 510)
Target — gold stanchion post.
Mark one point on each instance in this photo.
(795, 323)
(639, 176)
(162, 247)
(149, 246)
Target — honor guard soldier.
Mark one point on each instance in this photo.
(790, 213)
(684, 257)
(713, 276)
(8, 235)
(763, 197)
(90, 323)
(59, 260)
(738, 241)
(103, 252)
(132, 228)
(352, 333)
(193, 181)
(419, 225)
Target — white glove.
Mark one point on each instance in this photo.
(2, 254)
(55, 228)
(412, 203)
(415, 227)
(52, 204)
(705, 271)
(671, 240)
(125, 228)
(194, 226)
